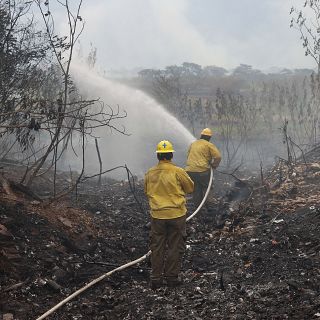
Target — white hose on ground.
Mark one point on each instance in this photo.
(125, 266)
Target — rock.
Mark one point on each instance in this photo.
(66, 222)
(8, 316)
(293, 284)
(315, 167)
(59, 274)
(278, 221)
(53, 285)
(4, 232)
(309, 292)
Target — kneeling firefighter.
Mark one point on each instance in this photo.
(166, 185)
(202, 155)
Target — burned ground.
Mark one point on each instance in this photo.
(263, 263)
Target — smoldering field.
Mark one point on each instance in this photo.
(255, 255)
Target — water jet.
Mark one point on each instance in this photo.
(147, 123)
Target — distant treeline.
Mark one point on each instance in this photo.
(247, 108)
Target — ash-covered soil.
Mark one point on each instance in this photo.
(263, 263)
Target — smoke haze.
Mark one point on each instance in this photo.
(154, 33)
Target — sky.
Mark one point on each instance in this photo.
(156, 33)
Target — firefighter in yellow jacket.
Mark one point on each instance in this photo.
(166, 186)
(202, 155)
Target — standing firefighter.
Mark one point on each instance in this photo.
(166, 186)
(202, 155)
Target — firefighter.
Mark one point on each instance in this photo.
(202, 155)
(166, 185)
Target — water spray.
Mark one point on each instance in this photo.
(147, 122)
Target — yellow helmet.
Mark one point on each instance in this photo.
(164, 146)
(206, 132)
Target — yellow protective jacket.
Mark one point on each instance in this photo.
(200, 156)
(166, 185)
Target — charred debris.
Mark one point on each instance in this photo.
(254, 255)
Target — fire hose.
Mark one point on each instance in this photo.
(120, 268)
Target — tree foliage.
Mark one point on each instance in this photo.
(245, 107)
(42, 113)
(306, 20)
(22, 53)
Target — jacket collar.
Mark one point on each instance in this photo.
(165, 161)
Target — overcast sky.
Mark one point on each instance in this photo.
(157, 33)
